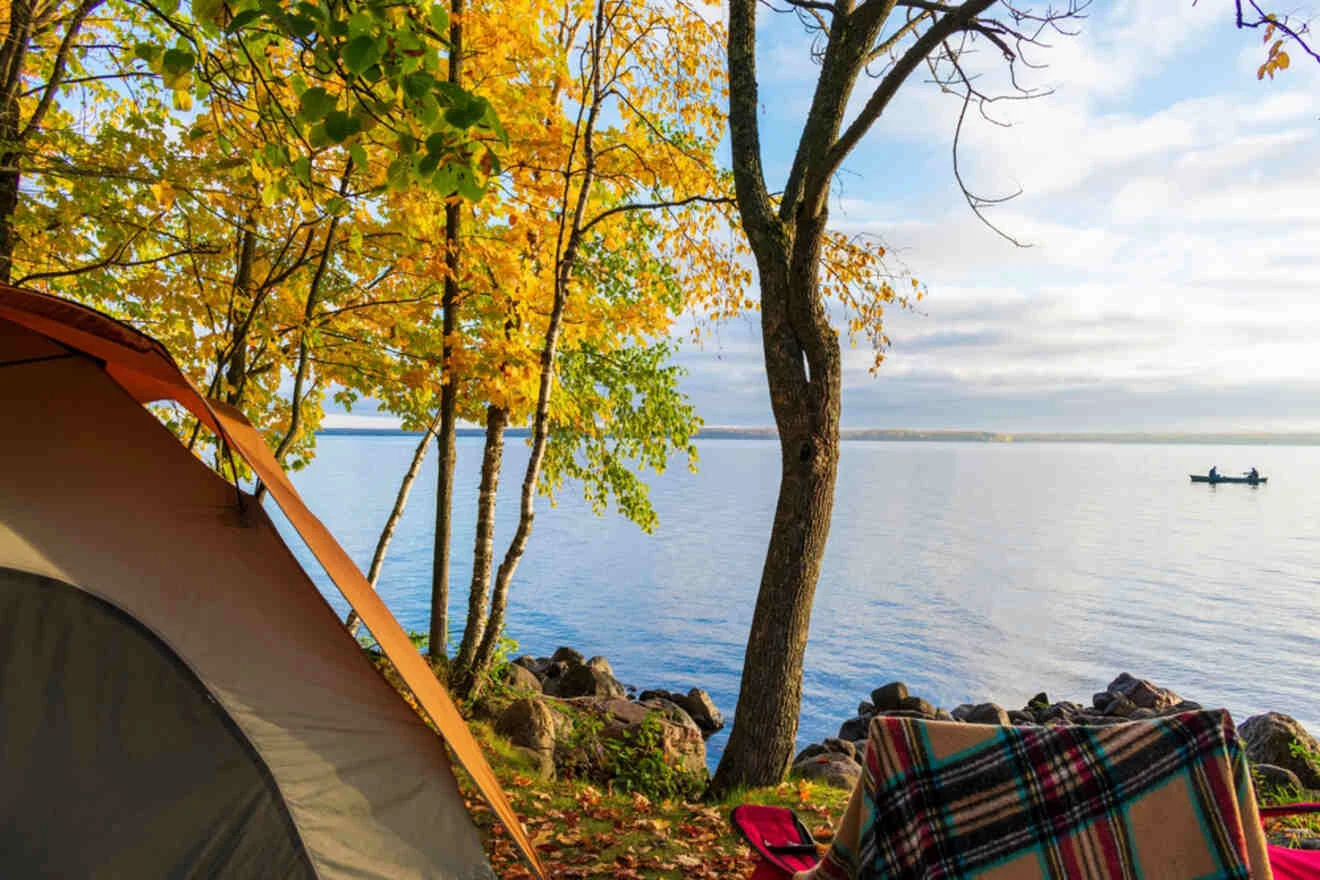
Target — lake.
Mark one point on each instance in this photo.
(971, 571)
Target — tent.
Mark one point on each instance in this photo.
(176, 697)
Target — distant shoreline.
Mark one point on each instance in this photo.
(902, 435)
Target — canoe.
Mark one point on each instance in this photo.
(1201, 478)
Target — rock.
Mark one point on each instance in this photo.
(696, 703)
(528, 723)
(942, 715)
(520, 678)
(1184, 706)
(542, 762)
(1102, 700)
(567, 655)
(908, 713)
(916, 704)
(1096, 719)
(841, 746)
(1142, 714)
(1144, 694)
(962, 710)
(586, 681)
(1021, 716)
(1273, 776)
(855, 728)
(865, 708)
(889, 696)
(832, 768)
(1064, 712)
(1040, 701)
(703, 710)
(987, 713)
(600, 664)
(535, 665)
(811, 751)
(682, 744)
(1271, 739)
(1120, 706)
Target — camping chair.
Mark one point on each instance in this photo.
(1168, 798)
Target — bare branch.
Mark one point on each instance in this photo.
(647, 206)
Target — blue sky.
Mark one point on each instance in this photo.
(1173, 204)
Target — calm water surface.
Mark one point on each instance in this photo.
(970, 571)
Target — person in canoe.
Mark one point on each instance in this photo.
(1214, 473)
(1253, 475)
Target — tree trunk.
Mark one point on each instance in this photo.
(438, 645)
(13, 54)
(483, 552)
(396, 514)
(14, 132)
(763, 739)
(570, 241)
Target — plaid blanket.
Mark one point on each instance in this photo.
(1166, 798)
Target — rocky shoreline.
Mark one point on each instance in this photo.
(1285, 757)
(573, 718)
(570, 715)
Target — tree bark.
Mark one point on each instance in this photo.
(396, 514)
(447, 439)
(14, 132)
(802, 358)
(569, 242)
(483, 551)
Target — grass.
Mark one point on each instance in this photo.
(582, 831)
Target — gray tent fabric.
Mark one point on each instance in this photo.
(97, 495)
(114, 754)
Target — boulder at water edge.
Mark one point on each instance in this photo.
(1275, 738)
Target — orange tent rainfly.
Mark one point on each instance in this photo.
(176, 697)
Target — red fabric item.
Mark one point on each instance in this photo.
(766, 871)
(769, 827)
(1294, 864)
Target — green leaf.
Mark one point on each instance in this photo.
(399, 174)
(300, 26)
(340, 126)
(150, 54)
(467, 114)
(337, 206)
(491, 122)
(437, 144)
(359, 155)
(243, 19)
(440, 18)
(360, 53)
(315, 103)
(468, 187)
(451, 93)
(318, 137)
(270, 193)
(302, 169)
(177, 61)
(418, 85)
(445, 180)
(428, 164)
(360, 23)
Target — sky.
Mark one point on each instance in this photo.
(1172, 204)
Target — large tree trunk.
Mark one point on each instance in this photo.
(438, 645)
(483, 551)
(806, 407)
